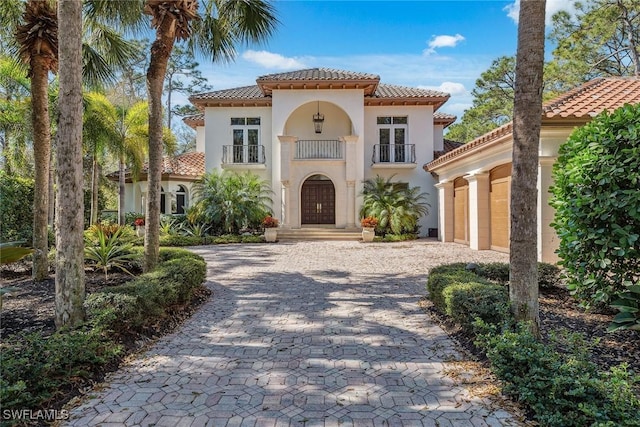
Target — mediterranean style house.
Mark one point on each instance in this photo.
(473, 181)
(315, 136)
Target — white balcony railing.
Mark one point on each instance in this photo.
(243, 154)
(394, 153)
(318, 149)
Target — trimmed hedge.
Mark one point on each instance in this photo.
(135, 305)
(561, 387)
(464, 302)
(36, 368)
(179, 240)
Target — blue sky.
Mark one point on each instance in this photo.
(443, 44)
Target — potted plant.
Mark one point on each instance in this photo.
(270, 225)
(139, 223)
(368, 225)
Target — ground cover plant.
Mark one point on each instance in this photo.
(578, 375)
(43, 368)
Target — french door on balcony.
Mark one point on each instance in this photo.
(318, 200)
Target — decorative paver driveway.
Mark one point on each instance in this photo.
(303, 334)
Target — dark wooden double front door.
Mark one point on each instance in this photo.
(318, 202)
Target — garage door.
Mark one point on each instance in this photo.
(499, 205)
(461, 211)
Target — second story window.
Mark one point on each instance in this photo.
(246, 139)
(392, 137)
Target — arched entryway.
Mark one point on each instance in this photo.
(318, 201)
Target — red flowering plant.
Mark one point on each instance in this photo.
(139, 222)
(269, 222)
(369, 222)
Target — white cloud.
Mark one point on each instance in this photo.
(451, 88)
(553, 6)
(272, 60)
(442, 41)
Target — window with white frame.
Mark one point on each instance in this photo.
(246, 139)
(392, 137)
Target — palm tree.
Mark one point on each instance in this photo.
(38, 40)
(70, 291)
(121, 132)
(229, 202)
(14, 107)
(213, 29)
(527, 118)
(38, 47)
(396, 206)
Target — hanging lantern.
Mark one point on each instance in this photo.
(318, 120)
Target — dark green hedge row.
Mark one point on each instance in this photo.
(561, 388)
(177, 240)
(140, 302)
(35, 369)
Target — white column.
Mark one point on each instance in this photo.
(351, 204)
(547, 238)
(479, 205)
(284, 211)
(445, 211)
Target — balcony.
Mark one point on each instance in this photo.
(390, 156)
(319, 149)
(243, 157)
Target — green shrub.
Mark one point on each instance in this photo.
(597, 205)
(548, 275)
(395, 237)
(35, 367)
(496, 271)
(440, 278)
(109, 251)
(465, 302)
(178, 240)
(16, 208)
(561, 389)
(138, 303)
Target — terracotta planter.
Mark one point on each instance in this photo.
(270, 234)
(368, 233)
(140, 230)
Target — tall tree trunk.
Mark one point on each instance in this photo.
(41, 153)
(95, 177)
(160, 52)
(52, 187)
(70, 291)
(6, 156)
(121, 182)
(527, 118)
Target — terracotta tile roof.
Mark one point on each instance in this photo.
(443, 118)
(187, 165)
(194, 120)
(245, 92)
(582, 103)
(594, 97)
(394, 91)
(448, 145)
(317, 74)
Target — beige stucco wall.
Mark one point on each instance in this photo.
(479, 162)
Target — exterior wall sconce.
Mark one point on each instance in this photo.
(318, 120)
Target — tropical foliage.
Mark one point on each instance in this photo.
(597, 204)
(396, 206)
(229, 202)
(108, 249)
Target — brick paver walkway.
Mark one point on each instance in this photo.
(302, 334)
